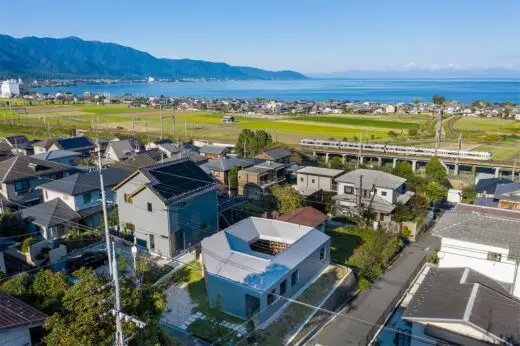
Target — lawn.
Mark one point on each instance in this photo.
(488, 125)
(342, 243)
(502, 151)
(361, 122)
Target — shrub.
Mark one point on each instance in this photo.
(26, 244)
(363, 284)
(412, 132)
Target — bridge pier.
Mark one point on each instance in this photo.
(326, 158)
(343, 158)
(361, 160)
(414, 165)
(394, 163)
(313, 154)
(456, 169)
(379, 161)
(497, 172)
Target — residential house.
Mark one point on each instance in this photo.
(220, 168)
(483, 239)
(250, 264)
(460, 306)
(17, 321)
(213, 152)
(82, 194)
(169, 149)
(168, 206)
(20, 145)
(310, 180)
(279, 155)
(253, 181)
(486, 187)
(157, 143)
(120, 150)
(135, 142)
(306, 216)
(5, 151)
(65, 157)
(20, 175)
(376, 191)
(43, 146)
(80, 144)
(508, 196)
(139, 160)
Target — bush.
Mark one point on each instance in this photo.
(412, 132)
(363, 284)
(26, 244)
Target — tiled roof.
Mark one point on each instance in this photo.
(227, 163)
(55, 154)
(320, 171)
(122, 148)
(276, 153)
(74, 143)
(22, 167)
(16, 140)
(211, 149)
(49, 214)
(46, 143)
(489, 185)
(307, 216)
(465, 296)
(81, 183)
(15, 313)
(371, 177)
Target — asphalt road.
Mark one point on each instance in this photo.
(371, 308)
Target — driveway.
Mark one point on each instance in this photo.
(376, 304)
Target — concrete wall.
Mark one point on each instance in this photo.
(314, 181)
(49, 195)
(15, 336)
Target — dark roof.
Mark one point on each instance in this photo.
(52, 213)
(22, 167)
(486, 202)
(81, 183)
(45, 143)
(74, 143)
(307, 216)
(176, 179)
(276, 153)
(507, 189)
(16, 140)
(461, 294)
(211, 149)
(139, 160)
(227, 163)
(15, 313)
(55, 154)
(122, 148)
(489, 185)
(482, 225)
(136, 142)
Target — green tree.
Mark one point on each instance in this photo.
(49, 288)
(412, 132)
(18, 286)
(245, 144)
(392, 134)
(434, 191)
(233, 179)
(27, 243)
(336, 163)
(287, 198)
(404, 169)
(438, 101)
(435, 170)
(262, 139)
(11, 224)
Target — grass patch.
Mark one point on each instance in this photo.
(487, 125)
(211, 331)
(343, 243)
(360, 122)
(500, 151)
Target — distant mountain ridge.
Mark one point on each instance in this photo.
(73, 57)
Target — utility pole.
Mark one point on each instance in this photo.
(514, 169)
(245, 147)
(439, 131)
(145, 126)
(133, 126)
(360, 146)
(120, 338)
(185, 127)
(105, 216)
(160, 115)
(359, 193)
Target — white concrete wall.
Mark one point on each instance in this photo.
(314, 181)
(457, 253)
(49, 195)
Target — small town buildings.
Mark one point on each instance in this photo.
(120, 150)
(508, 196)
(20, 175)
(461, 306)
(279, 155)
(43, 145)
(250, 264)
(139, 160)
(82, 194)
(10, 88)
(81, 144)
(220, 168)
(168, 206)
(213, 152)
(484, 239)
(65, 157)
(376, 191)
(228, 119)
(485, 187)
(17, 320)
(306, 216)
(20, 145)
(253, 181)
(310, 180)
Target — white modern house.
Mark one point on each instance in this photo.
(250, 264)
(310, 180)
(380, 192)
(10, 88)
(484, 239)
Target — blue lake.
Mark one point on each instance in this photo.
(377, 90)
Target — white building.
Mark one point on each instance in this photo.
(10, 88)
(484, 239)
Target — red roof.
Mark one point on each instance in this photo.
(307, 216)
(15, 313)
(466, 208)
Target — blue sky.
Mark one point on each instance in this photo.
(307, 36)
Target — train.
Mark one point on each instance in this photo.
(396, 149)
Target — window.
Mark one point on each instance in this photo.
(149, 206)
(128, 198)
(22, 185)
(271, 297)
(313, 181)
(322, 254)
(152, 242)
(301, 179)
(87, 198)
(55, 176)
(348, 190)
(495, 257)
(294, 278)
(383, 193)
(283, 287)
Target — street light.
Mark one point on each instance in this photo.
(134, 256)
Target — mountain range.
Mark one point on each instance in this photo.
(73, 57)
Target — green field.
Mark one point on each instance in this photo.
(488, 125)
(361, 122)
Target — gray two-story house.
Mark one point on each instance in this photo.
(20, 175)
(251, 264)
(168, 206)
(310, 180)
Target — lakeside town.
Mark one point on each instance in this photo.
(251, 242)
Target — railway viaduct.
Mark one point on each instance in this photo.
(453, 165)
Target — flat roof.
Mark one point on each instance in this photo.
(325, 172)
